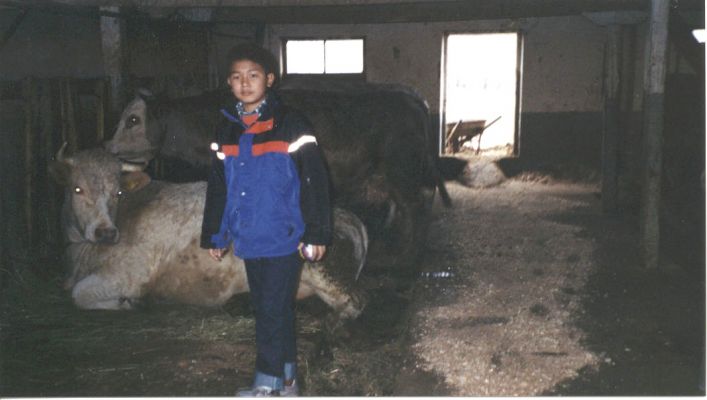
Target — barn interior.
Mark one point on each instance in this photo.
(608, 96)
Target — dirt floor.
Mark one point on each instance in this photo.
(544, 296)
(523, 289)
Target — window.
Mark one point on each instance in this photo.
(339, 56)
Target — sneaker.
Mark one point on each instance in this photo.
(290, 390)
(260, 391)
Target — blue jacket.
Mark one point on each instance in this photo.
(268, 188)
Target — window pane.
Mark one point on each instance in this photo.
(305, 56)
(344, 56)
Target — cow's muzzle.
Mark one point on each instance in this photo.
(106, 235)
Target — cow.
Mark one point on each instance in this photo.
(375, 138)
(132, 237)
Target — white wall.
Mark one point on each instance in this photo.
(563, 56)
(563, 66)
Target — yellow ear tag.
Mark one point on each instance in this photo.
(131, 184)
(134, 181)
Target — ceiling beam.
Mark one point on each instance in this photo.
(362, 11)
(425, 11)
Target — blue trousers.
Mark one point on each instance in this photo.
(273, 283)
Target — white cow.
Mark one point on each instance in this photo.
(131, 237)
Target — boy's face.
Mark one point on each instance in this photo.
(249, 83)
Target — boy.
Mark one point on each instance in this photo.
(268, 195)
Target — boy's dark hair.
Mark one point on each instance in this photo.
(253, 52)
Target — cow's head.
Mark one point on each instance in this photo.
(137, 137)
(94, 180)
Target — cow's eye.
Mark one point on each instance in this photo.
(119, 193)
(132, 121)
(78, 190)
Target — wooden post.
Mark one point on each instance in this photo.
(618, 83)
(29, 94)
(213, 71)
(611, 134)
(47, 207)
(112, 33)
(72, 132)
(99, 90)
(629, 178)
(62, 112)
(653, 108)
(69, 132)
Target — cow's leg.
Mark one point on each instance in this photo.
(407, 232)
(95, 292)
(347, 303)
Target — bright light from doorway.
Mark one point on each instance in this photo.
(481, 84)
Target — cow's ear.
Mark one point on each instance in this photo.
(134, 181)
(60, 171)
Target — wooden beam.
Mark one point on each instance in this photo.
(47, 207)
(612, 112)
(100, 92)
(653, 108)
(345, 11)
(618, 86)
(629, 126)
(29, 93)
(421, 11)
(71, 134)
(112, 37)
(606, 18)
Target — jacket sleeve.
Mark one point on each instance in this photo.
(213, 227)
(315, 202)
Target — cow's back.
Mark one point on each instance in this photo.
(168, 222)
(162, 212)
(158, 253)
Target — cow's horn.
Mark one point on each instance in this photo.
(60, 155)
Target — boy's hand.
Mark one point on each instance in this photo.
(317, 252)
(217, 254)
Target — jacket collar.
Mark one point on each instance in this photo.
(270, 109)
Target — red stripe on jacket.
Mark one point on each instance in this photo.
(230, 150)
(260, 126)
(276, 146)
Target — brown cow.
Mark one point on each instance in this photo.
(376, 140)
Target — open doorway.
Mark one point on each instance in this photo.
(480, 93)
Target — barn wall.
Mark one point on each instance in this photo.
(169, 56)
(561, 103)
(173, 56)
(562, 92)
(48, 45)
